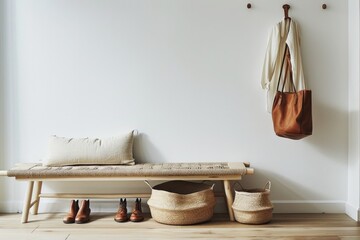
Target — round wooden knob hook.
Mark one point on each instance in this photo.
(286, 6)
(248, 5)
(324, 6)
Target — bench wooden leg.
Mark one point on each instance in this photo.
(27, 202)
(229, 199)
(38, 187)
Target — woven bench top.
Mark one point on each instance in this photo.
(36, 170)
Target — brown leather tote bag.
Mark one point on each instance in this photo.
(291, 111)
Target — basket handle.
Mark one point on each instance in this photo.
(213, 184)
(238, 183)
(267, 186)
(147, 183)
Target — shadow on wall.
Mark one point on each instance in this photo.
(145, 151)
(283, 190)
(326, 138)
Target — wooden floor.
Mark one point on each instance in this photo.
(103, 227)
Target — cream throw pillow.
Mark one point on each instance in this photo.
(90, 151)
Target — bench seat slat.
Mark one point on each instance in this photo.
(151, 170)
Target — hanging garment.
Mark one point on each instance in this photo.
(285, 32)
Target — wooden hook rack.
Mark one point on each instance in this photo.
(286, 8)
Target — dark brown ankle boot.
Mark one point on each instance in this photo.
(137, 215)
(121, 215)
(83, 215)
(74, 208)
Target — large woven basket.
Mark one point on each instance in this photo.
(253, 206)
(182, 203)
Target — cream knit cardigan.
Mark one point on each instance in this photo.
(285, 32)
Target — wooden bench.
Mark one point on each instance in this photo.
(36, 174)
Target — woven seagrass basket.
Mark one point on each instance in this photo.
(181, 202)
(253, 206)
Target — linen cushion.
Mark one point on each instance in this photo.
(64, 151)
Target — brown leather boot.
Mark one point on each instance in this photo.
(74, 208)
(121, 215)
(83, 215)
(137, 215)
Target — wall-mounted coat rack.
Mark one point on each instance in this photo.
(323, 6)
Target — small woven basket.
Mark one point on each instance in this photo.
(181, 202)
(253, 206)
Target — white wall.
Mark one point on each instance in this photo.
(186, 74)
(8, 109)
(2, 99)
(353, 204)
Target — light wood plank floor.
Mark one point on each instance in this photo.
(103, 227)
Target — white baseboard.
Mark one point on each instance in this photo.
(10, 206)
(352, 212)
(308, 206)
(287, 206)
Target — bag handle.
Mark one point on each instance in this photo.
(288, 67)
(282, 66)
(283, 59)
(288, 70)
(266, 187)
